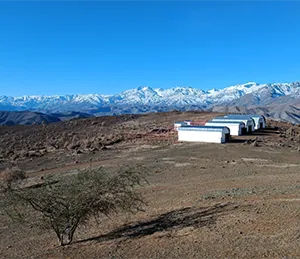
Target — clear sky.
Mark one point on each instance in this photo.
(107, 47)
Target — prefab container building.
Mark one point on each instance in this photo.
(236, 128)
(259, 120)
(188, 122)
(249, 122)
(209, 134)
(179, 124)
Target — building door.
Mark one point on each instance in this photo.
(227, 137)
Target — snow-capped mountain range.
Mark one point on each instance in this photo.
(243, 95)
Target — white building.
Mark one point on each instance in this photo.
(259, 120)
(236, 128)
(179, 124)
(248, 121)
(204, 134)
(188, 122)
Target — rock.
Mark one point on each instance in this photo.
(43, 151)
(74, 146)
(50, 149)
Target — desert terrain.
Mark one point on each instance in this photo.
(235, 200)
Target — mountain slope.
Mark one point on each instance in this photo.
(268, 94)
(283, 112)
(25, 118)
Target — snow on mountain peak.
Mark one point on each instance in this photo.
(144, 88)
(250, 84)
(145, 95)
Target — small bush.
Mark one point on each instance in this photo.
(11, 175)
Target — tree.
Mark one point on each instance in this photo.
(72, 200)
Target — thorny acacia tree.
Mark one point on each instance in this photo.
(73, 200)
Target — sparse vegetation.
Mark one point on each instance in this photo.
(11, 175)
(191, 182)
(72, 200)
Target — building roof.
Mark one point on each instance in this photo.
(237, 119)
(226, 122)
(256, 116)
(205, 128)
(238, 116)
(244, 115)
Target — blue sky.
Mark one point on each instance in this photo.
(107, 47)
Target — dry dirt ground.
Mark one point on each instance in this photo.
(234, 200)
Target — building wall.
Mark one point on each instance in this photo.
(241, 127)
(247, 122)
(258, 121)
(235, 129)
(201, 136)
(252, 125)
(178, 125)
(264, 121)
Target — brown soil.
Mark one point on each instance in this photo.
(234, 200)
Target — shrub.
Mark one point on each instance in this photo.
(71, 201)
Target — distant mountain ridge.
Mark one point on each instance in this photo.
(11, 118)
(147, 99)
(253, 93)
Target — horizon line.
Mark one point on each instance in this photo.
(142, 86)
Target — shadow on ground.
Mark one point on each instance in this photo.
(234, 140)
(262, 132)
(196, 217)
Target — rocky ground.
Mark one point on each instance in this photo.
(234, 200)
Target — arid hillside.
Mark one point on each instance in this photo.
(76, 140)
(235, 200)
(25, 118)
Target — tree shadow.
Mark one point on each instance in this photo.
(196, 217)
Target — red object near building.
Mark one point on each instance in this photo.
(198, 123)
